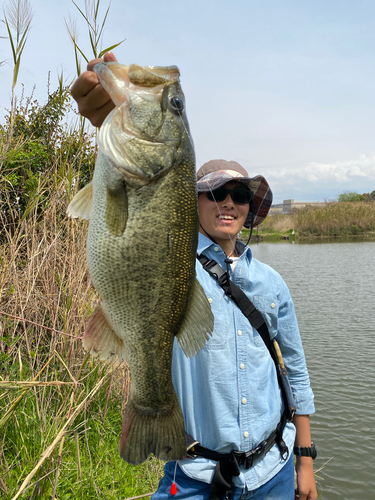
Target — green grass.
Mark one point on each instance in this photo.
(85, 462)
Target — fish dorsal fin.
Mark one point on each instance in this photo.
(198, 322)
(81, 204)
(101, 340)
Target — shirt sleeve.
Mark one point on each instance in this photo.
(289, 339)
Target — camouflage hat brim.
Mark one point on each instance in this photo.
(262, 194)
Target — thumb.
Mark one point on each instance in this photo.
(109, 57)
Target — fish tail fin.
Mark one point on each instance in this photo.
(143, 433)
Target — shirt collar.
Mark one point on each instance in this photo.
(205, 243)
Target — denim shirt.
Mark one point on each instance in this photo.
(229, 391)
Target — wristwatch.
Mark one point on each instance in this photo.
(306, 452)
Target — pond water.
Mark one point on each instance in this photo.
(333, 287)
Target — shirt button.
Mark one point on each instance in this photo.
(244, 401)
(216, 249)
(246, 434)
(239, 332)
(210, 301)
(273, 305)
(242, 366)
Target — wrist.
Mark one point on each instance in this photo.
(304, 462)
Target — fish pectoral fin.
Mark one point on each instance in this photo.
(101, 340)
(198, 323)
(81, 204)
(116, 211)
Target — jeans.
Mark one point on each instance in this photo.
(280, 487)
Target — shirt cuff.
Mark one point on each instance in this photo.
(304, 401)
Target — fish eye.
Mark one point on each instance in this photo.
(177, 103)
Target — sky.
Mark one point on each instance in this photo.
(285, 88)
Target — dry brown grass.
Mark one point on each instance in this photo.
(44, 279)
(282, 223)
(332, 219)
(47, 382)
(344, 218)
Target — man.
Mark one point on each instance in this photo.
(229, 391)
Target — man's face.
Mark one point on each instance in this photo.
(222, 220)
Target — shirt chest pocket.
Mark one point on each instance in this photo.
(269, 309)
(221, 307)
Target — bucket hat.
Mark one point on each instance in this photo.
(216, 173)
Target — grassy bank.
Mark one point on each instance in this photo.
(332, 220)
(60, 412)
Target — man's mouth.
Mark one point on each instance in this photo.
(226, 217)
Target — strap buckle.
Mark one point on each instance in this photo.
(217, 272)
(249, 458)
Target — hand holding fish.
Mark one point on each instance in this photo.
(93, 100)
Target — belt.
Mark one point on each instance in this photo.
(228, 464)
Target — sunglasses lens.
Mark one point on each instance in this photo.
(240, 196)
(217, 195)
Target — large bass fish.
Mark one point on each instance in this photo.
(141, 250)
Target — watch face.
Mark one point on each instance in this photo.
(314, 453)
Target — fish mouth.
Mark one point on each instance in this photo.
(148, 82)
(135, 145)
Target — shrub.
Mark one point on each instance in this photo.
(38, 150)
(349, 196)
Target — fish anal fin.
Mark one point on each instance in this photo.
(101, 340)
(145, 432)
(198, 322)
(116, 211)
(81, 204)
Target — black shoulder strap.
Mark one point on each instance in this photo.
(254, 317)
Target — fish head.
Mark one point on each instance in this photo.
(147, 133)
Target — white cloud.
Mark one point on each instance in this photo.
(318, 181)
(340, 171)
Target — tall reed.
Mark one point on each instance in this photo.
(335, 219)
(332, 219)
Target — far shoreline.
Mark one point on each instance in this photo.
(336, 221)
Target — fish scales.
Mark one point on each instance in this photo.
(141, 249)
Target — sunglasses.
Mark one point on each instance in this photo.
(241, 196)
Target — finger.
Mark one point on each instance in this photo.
(91, 64)
(84, 84)
(100, 114)
(95, 99)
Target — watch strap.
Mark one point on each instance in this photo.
(309, 451)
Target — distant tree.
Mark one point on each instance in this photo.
(349, 196)
(368, 196)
